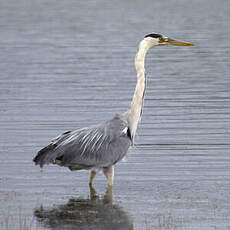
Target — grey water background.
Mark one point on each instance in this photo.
(70, 64)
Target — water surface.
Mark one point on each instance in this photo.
(69, 64)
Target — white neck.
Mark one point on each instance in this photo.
(134, 113)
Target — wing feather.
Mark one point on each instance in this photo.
(96, 146)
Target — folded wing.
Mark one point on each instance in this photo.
(96, 146)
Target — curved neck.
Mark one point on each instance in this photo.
(134, 113)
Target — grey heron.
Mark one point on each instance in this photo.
(101, 146)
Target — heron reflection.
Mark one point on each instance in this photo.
(85, 214)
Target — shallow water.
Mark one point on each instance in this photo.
(69, 64)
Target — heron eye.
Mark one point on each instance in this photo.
(164, 39)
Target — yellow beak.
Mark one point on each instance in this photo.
(170, 41)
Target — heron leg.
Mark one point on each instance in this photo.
(108, 197)
(93, 193)
(92, 175)
(109, 173)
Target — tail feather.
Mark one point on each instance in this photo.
(46, 155)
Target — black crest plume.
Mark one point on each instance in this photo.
(154, 35)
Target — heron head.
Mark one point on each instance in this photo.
(155, 39)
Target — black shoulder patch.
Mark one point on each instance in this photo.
(66, 132)
(154, 35)
(129, 134)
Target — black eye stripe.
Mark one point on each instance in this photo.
(154, 35)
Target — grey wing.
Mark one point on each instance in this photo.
(97, 146)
